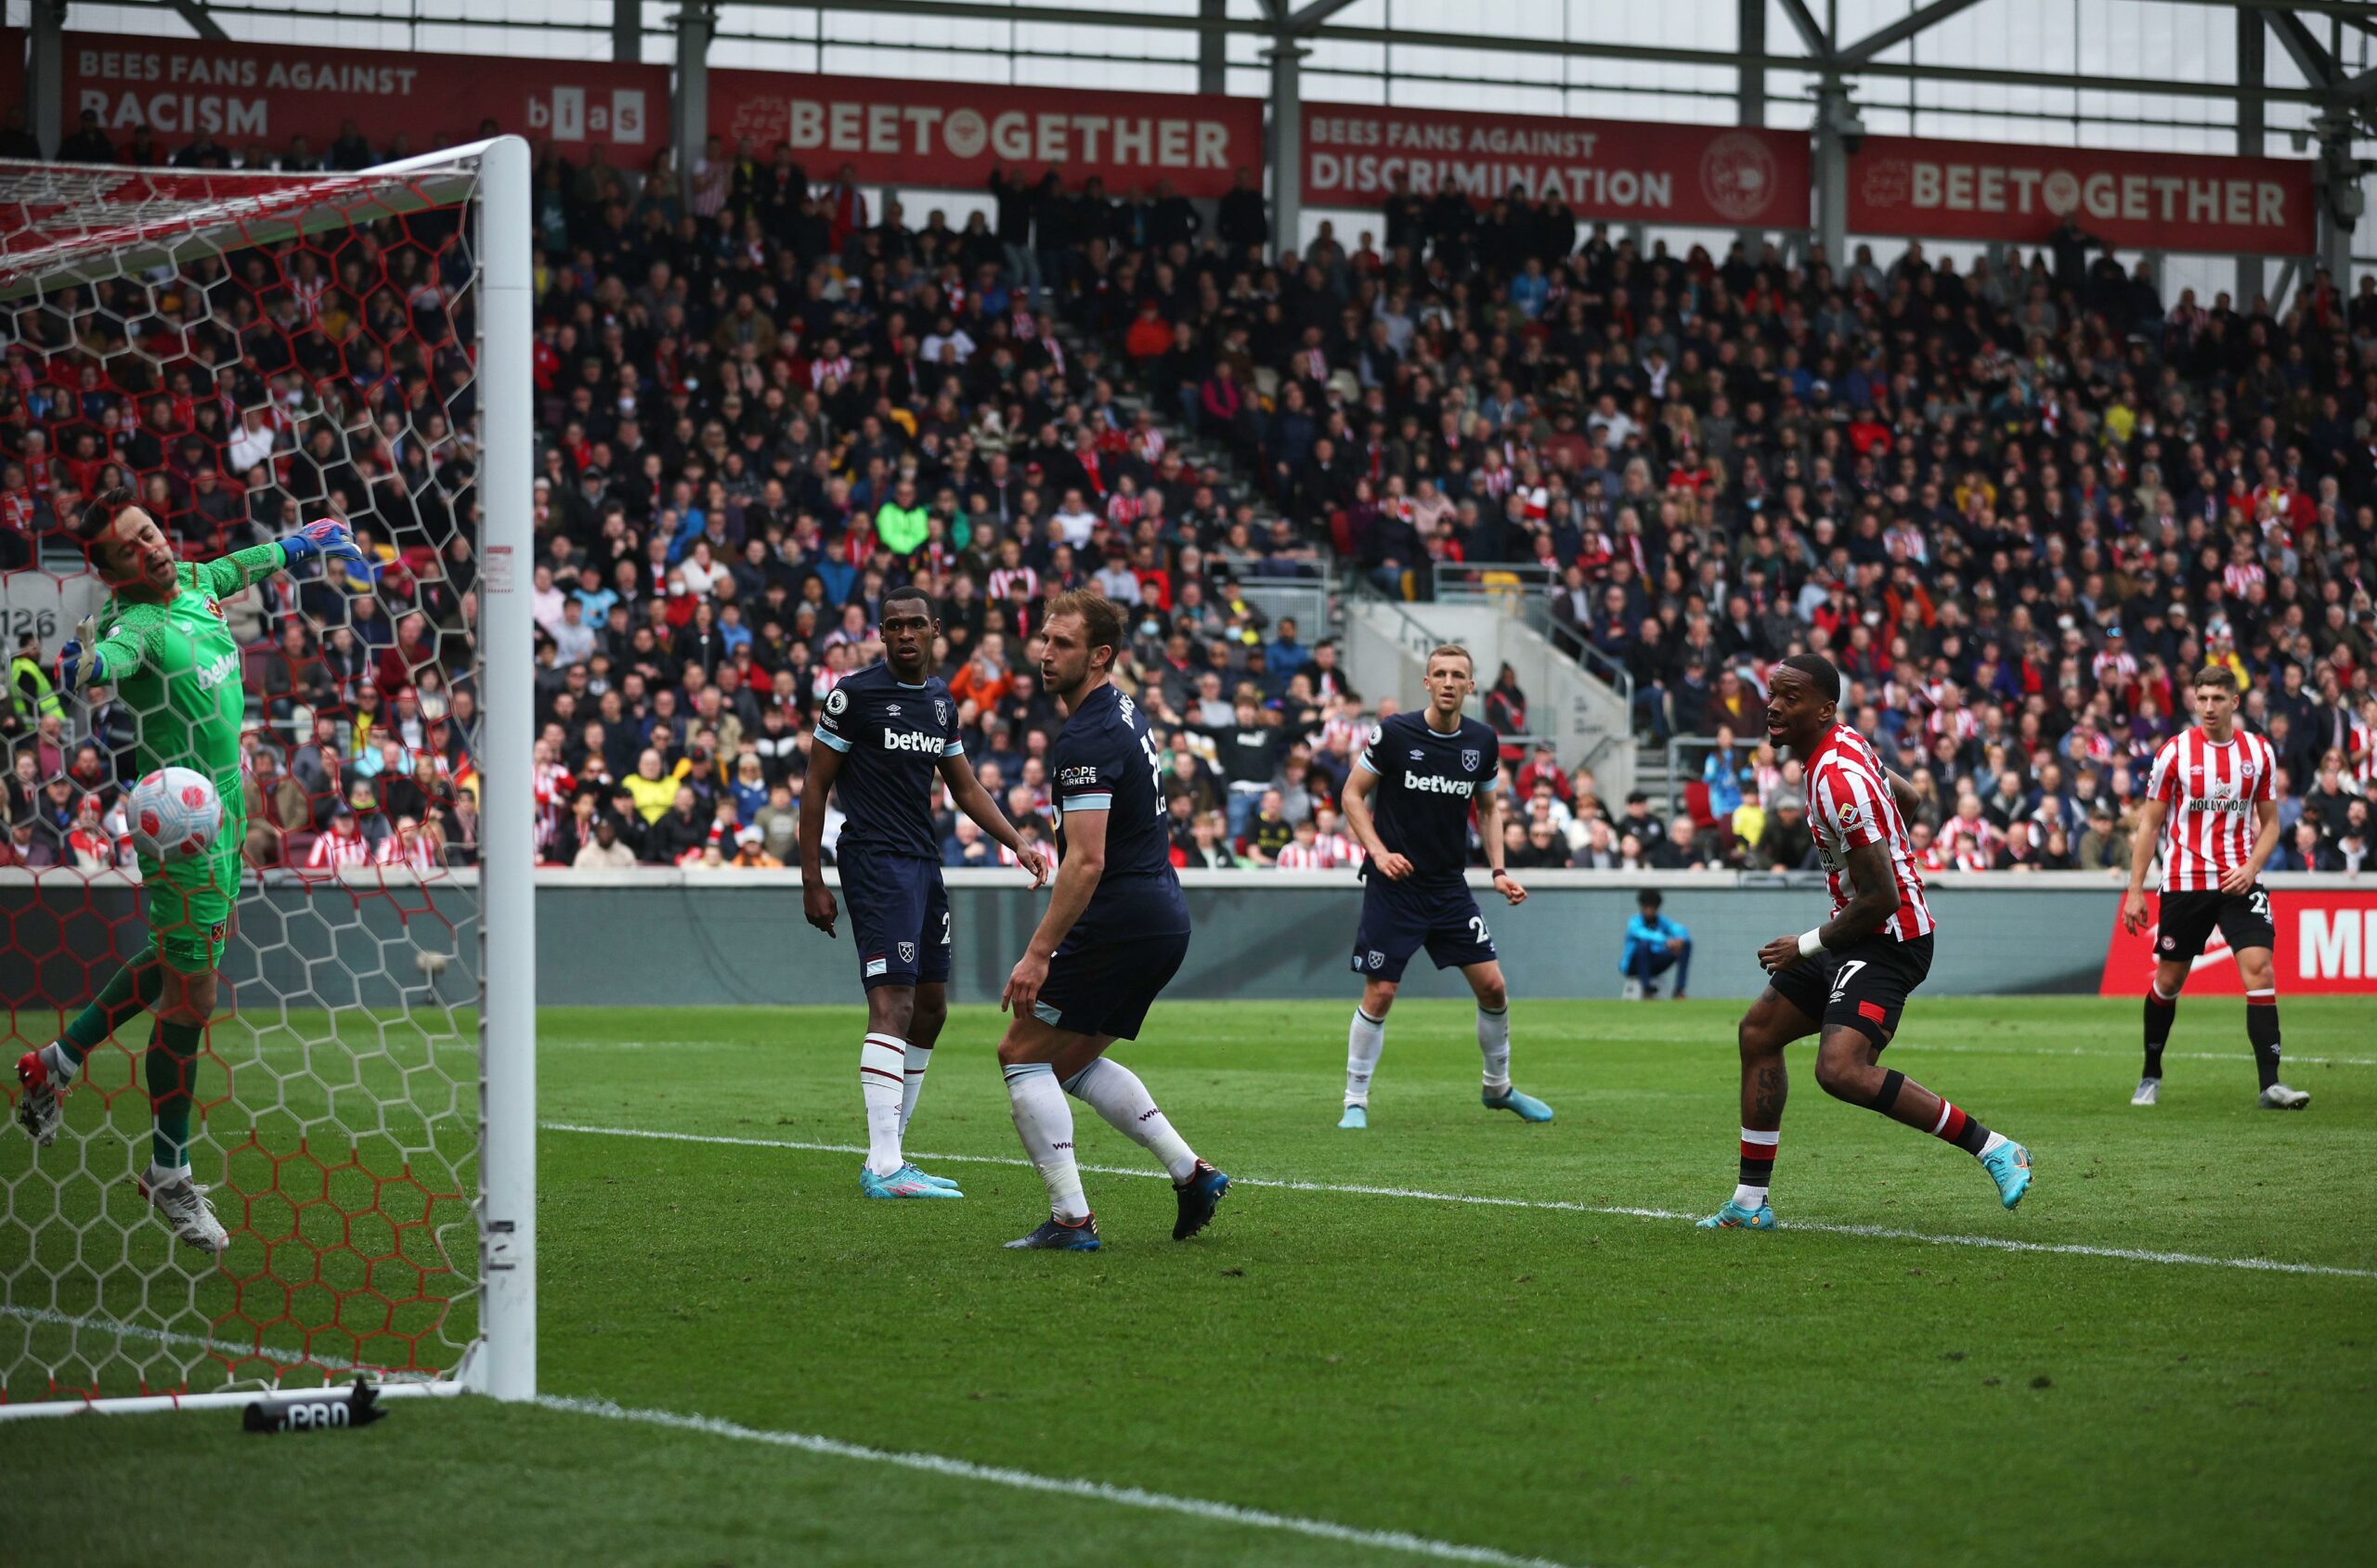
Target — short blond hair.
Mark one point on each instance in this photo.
(1453, 650)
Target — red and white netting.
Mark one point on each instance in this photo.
(248, 353)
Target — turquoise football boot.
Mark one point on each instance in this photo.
(1355, 1119)
(905, 1182)
(1529, 1107)
(1733, 1216)
(2010, 1166)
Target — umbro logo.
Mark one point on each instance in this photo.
(891, 709)
(1418, 756)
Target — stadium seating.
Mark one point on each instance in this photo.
(2018, 506)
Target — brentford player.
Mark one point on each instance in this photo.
(2210, 790)
(1847, 979)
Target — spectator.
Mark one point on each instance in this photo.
(680, 833)
(1653, 944)
(1786, 845)
(276, 809)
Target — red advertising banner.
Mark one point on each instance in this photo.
(1705, 175)
(2327, 946)
(2136, 200)
(186, 88)
(947, 136)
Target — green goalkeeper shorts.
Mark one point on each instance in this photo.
(189, 903)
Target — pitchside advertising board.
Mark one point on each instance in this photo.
(2327, 946)
(2133, 200)
(949, 135)
(186, 89)
(1703, 177)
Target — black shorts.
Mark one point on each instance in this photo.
(898, 912)
(1106, 987)
(1399, 919)
(2188, 918)
(1864, 988)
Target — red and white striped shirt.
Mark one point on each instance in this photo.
(1294, 856)
(1849, 806)
(2210, 789)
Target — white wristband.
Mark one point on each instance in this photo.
(1812, 941)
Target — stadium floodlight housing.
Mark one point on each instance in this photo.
(365, 1096)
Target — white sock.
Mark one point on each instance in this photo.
(1044, 1122)
(919, 1058)
(1748, 1197)
(1115, 1093)
(1991, 1143)
(882, 1079)
(1365, 1038)
(1494, 1044)
(159, 1176)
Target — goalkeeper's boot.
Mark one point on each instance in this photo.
(2150, 1091)
(41, 1099)
(1733, 1216)
(1056, 1235)
(1529, 1107)
(1355, 1119)
(905, 1182)
(185, 1209)
(2278, 1096)
(1198, 1196)
(2010, 1166)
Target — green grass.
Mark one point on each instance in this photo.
(1588, 1387)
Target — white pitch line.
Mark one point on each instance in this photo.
(565, 1042)
(1028, 1480)
(2003, 1244)
(51, 1317)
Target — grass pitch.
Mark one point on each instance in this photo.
(1539, 1375)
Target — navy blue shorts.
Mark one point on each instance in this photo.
(898, 912)
(1106, 987)
(1399, 919)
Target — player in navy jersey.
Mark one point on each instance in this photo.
(1114, 934)
(1409, 802)
(887, 732)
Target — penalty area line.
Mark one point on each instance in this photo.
(1029, 1481)
(1876, 1233)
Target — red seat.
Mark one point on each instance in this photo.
(1695, 805)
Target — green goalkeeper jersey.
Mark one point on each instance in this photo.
(176, 665)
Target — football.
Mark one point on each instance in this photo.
(174, 814)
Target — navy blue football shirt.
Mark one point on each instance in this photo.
(1426, 784)
(892, 737)
(1105, 761)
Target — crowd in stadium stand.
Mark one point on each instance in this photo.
(2018, 506)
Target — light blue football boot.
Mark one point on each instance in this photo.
(1355, 1119)
(905, 1182)
(2010, 1166)
(1529, 1107)
(1733, 1216)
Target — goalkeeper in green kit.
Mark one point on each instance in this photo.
(162, 643)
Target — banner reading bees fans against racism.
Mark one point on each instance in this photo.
(1703, 175)
(949, 135)
(241, 96)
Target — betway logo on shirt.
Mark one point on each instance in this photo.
(910, 740)
(1431, 783)
(220, 670)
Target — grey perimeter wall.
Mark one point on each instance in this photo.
(669, 939)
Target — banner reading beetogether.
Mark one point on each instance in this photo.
(948, 136)
(2133, 200)
(1711, 177)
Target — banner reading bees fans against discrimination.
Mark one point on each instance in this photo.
(1703, 176)
(949, 135)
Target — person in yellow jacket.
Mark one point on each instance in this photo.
(652, 785)
(29, 684)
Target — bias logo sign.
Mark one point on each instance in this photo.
(574, 114)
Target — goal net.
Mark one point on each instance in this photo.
(249, 354)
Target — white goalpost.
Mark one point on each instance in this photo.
(248, 353)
